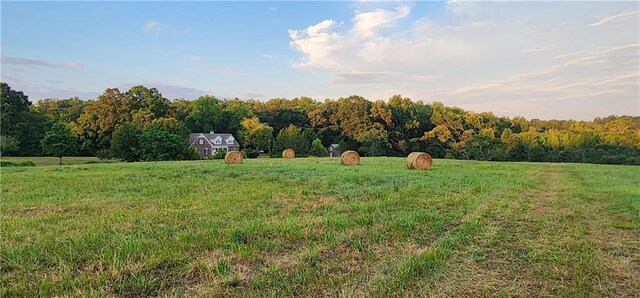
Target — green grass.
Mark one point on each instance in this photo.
(310, 227)
(51, 160)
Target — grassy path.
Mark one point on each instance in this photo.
(308, 227)
(559, 238)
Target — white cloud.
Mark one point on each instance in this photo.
(151, 26)
(269, 56)
(318, 43)
(615, 18)
(483, 56)
(366, 24)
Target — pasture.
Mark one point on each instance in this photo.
(311, 227)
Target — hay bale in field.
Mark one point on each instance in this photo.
(233, 157)
(288, 153)
(350, 158)
(419, 161)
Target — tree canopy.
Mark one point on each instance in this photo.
(393, 127)
(60, 141)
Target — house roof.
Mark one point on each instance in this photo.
(212, 136)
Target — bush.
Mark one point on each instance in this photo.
(104, 154)
(250, 153)
(157, 144)
(27, 163)
(220, 154)
(317, 149)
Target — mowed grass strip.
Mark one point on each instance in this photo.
(310, 227)
(51, 160)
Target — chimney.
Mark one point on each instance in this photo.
(211, 132)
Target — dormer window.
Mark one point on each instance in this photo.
(217, 140)
(230, 141)
(200, 141)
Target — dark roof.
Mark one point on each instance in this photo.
(212, 136)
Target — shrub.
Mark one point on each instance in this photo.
(158, 144)
(250, 153)
(104, 154)
(27, 163)
(219, 154)
(317, 149)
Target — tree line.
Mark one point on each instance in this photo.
(141, 124)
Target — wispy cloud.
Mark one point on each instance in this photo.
(170, 91)
(615, 17)
(37, 62)
(269, 56)
(538, 49)
(272, 8)
(251, 95)
(151, 26)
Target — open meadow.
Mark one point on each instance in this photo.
(310, 227)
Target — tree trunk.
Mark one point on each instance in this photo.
(60, 159)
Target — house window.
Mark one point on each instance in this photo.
(206, 151)
(200, 142)
(218, 141)
(230, 141)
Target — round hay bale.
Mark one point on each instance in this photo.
(233, 157)
(350, 158)
(419, 161)
(288, 153)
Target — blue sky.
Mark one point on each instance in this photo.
(536, 59)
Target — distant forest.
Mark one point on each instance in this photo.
(139, 120)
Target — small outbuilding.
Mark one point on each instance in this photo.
(334, 150)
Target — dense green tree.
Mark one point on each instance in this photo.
(147, 100)
(19, 121)
(180, 109)
(281, 118)
(125, 143)
(290, 137)
(158, 144)
(8, 145)
(483, 147)
(317, 149)
(171, 125)
(206, 115)
(63, 110)
(256, 135)
(60, 141)
(100, 119)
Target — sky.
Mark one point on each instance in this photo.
(545, 60)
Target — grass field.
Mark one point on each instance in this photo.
(310, 227)
(51, 160)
